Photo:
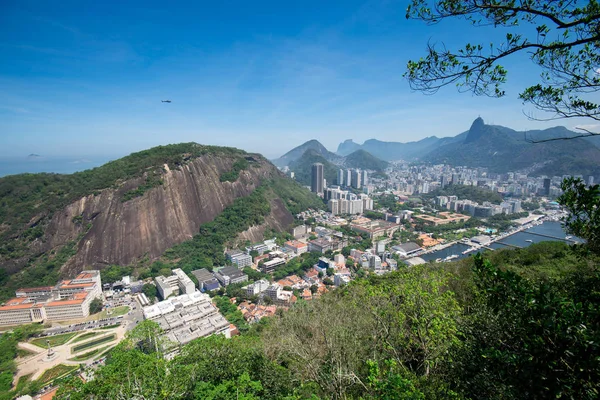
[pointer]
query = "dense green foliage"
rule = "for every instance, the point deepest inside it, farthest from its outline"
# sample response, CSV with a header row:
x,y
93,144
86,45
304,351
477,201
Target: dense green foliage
x,y
464,330
295,197
230,312
114,273
8,354
464,192
238,166
95,306
559,37
583,204
362,159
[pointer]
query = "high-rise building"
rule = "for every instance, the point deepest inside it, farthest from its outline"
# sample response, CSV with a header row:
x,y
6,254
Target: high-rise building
x,y
444,181
356,179
317,178
590,180
546,186
340,180
348,178
364,178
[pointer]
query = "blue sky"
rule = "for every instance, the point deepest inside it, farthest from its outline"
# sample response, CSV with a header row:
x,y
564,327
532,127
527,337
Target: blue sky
x,y
85,79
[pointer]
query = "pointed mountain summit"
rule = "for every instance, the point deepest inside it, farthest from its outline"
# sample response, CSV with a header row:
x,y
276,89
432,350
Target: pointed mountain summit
x,y
297,152
477,130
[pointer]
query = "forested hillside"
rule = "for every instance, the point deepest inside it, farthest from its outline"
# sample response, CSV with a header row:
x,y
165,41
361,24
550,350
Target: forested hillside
x,y
107,217
518,326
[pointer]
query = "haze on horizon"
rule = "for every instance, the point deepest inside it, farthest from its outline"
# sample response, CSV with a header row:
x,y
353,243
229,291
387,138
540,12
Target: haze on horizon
x,y
87,80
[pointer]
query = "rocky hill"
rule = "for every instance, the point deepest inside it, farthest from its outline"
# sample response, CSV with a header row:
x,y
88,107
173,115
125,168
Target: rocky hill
x,y
297,152
502,149
135,208
496,147
362,159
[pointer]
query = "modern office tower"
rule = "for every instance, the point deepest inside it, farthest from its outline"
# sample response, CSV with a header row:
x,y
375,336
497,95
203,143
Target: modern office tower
x,y
317,178
546,186
340,180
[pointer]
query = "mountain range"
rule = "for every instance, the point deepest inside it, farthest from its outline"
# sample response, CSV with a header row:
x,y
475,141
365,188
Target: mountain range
x,y
495,147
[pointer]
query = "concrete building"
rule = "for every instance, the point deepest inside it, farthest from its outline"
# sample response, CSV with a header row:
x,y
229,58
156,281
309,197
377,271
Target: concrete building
x,y
407,249
257,287
239,258
317,178
296,247
229,275
364,178
356,179
206,280
375,229
175,284
269,266
340,177
299,232
69,299
187,317
411,262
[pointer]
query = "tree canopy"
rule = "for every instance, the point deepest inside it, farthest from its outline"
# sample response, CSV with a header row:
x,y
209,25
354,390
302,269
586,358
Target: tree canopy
x,y
564,43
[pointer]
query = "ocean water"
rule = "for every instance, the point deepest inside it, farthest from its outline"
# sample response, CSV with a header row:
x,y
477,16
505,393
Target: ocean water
x,y
59,165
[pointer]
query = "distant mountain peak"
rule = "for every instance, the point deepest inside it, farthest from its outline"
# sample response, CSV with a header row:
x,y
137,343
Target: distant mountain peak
x,y
476,131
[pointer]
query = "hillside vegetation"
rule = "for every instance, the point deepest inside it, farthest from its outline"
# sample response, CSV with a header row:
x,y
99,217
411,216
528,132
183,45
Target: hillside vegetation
x,y
472,329
362,159
27,200
28,256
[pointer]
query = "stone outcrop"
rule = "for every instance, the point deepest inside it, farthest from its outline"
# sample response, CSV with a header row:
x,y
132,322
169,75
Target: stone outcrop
x,y
110,231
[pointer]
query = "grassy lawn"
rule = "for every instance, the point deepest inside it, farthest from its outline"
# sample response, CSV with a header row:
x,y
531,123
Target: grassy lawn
x,y
93,343
56,372
111,312
55,340
87,335
110,326
89,354
99,356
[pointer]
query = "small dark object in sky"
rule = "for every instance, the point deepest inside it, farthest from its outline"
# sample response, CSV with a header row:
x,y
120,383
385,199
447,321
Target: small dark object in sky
x,y
165,101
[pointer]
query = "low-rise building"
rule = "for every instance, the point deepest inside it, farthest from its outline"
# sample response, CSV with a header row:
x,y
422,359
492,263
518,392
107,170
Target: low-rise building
x,y
296,246
269,266
69,299
375,229
257,287
175,284
407,249
206,280
239,258
187,317
230,275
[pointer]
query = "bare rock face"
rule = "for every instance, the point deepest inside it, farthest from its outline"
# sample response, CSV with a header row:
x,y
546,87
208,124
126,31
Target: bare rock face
x,y
122,232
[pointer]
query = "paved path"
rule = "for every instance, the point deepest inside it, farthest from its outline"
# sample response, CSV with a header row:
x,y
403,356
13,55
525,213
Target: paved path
x,y
36,365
